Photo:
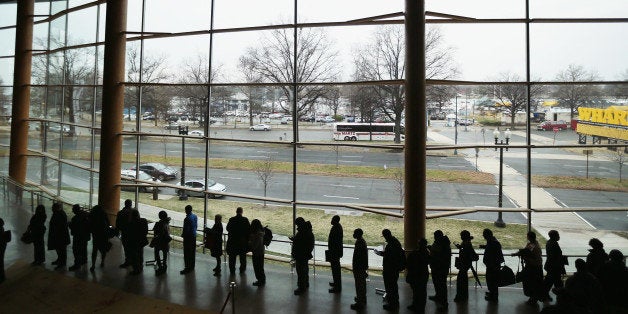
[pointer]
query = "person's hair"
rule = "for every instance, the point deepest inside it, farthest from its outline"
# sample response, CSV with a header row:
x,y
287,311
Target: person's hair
x,y
57,206
531,236
1,222
163,215
188,208
76,208
239,210
299,221
616,255
553,234
256,225
128,203
358,232
40,210
487,233
335,219
581,265
135,214
422,243
218,217
596,243
386,233
438,234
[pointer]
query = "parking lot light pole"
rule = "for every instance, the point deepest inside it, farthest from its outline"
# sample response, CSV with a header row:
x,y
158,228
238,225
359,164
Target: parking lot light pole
x,y
456,128
183,130
500,142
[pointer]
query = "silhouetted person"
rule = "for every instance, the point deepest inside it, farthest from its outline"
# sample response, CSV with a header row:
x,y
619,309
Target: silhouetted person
x,y
394,260
440,262
614,280
582,292
466,257
190,224
79,228
597,257
334,253
37,229
532,269
59,235
3,246
216,248
238,236
493,258
554,263
302,246
122,225
161,242
137,233
360,265
417,276
256,243
99,226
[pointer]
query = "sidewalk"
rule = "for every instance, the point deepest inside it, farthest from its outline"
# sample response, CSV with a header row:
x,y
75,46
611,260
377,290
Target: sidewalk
x,y
575,231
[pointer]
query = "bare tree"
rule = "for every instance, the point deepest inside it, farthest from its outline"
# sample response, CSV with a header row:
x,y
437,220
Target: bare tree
x,y
332,98
398,178
621,91
512,98
265,171
153,70
384,59
618,156
575,96
254,95
272,61
196,71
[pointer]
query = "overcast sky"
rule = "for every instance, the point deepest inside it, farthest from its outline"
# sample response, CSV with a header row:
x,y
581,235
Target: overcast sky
x,y
482,51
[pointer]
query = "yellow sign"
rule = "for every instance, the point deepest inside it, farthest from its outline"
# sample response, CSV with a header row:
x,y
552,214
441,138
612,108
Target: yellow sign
x,y
617,115
617,133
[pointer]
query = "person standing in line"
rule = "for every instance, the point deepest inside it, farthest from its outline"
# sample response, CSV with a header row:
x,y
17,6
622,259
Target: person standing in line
x,y
122,225
532,269
238,236
99,226
37,230
79,228
394,262
466,257
161,242
554,264
137,233
360,265
597,257
256,243
59,235
190,223
417,276
3,246
440,262
493,259
614,281
302,246
216,248
334,253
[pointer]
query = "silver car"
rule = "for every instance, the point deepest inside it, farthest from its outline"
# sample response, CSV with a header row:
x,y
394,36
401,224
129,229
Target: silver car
x,y
198,186
128,176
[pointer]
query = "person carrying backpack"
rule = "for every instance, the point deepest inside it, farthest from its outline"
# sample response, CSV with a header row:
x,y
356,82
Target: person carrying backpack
x,y
464,261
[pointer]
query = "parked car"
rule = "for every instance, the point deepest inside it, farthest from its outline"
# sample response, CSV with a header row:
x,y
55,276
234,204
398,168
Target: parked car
x,y
56,128
128,176
551,125
198,186
260,127
172,126
159,171
465,121
286,120
198,133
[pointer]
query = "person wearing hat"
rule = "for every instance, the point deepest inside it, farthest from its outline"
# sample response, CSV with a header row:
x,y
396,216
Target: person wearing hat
x,y
466,256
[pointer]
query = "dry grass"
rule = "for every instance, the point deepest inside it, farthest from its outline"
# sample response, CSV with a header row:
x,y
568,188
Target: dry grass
x,y
580,183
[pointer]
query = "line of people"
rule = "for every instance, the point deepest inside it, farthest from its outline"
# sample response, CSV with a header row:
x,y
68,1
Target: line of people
x,y
601,272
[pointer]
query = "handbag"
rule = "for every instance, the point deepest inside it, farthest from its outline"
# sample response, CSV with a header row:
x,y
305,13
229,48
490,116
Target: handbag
x,y
27,237
506,276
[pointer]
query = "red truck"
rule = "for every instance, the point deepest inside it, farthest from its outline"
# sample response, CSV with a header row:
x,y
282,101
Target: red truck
x,y
551,125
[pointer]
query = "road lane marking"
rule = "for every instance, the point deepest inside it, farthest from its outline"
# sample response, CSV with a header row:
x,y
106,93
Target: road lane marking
x,y
349,161
478,193
345,156
348,197
265,157
232,178
266,152
452,166
343,186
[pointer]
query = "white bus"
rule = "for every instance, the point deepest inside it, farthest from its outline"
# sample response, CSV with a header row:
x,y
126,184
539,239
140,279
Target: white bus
x,y
365,132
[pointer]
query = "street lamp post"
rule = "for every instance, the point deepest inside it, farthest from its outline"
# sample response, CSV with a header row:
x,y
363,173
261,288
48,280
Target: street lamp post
x,y
456,128
500,142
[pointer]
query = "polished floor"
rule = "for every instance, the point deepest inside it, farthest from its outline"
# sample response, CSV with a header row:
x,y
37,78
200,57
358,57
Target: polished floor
x,y
201,290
